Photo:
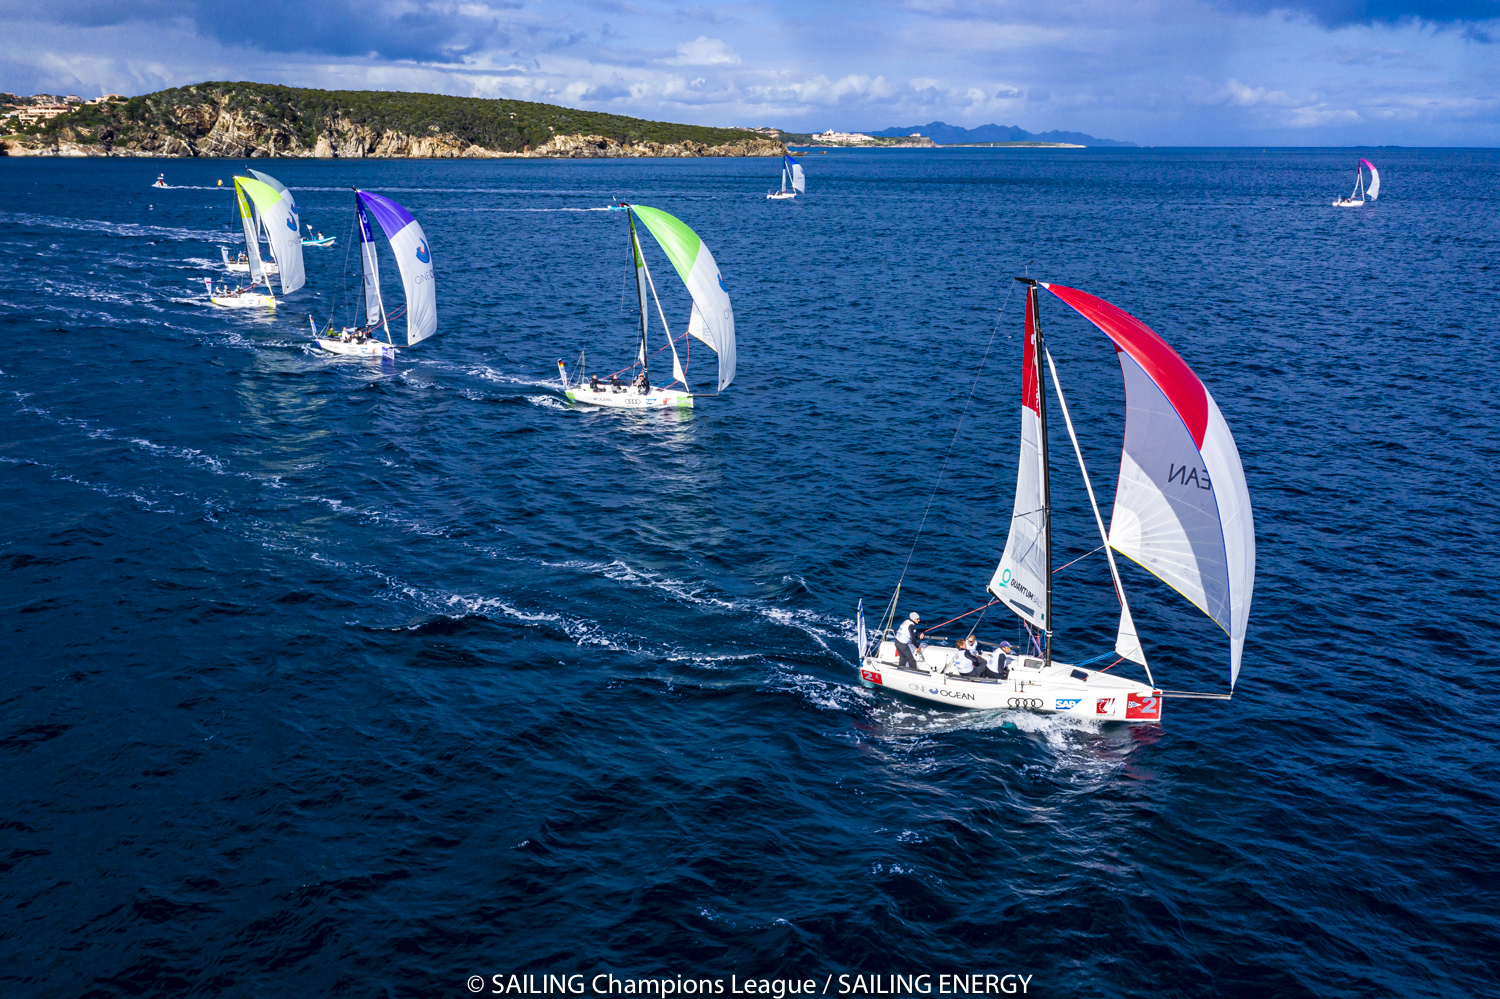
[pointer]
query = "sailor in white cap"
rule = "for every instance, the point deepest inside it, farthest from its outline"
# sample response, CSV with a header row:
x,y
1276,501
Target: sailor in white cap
x,y
906,641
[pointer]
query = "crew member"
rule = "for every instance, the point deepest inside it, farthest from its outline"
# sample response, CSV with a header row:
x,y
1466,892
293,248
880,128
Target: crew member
x,y
906,641
594,383
971,660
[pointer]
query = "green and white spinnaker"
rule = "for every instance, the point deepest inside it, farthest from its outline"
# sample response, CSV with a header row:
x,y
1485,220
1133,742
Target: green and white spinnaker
x,y
278,214
712,319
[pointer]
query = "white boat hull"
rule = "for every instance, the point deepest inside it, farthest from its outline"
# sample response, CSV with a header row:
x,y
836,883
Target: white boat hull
x,y
248,300
370,348
1349,203
630,398
781,195
1060,689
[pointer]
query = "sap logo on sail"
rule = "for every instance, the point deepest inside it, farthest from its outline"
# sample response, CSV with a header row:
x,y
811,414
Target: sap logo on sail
x,y
1067,703
1189,476
422,253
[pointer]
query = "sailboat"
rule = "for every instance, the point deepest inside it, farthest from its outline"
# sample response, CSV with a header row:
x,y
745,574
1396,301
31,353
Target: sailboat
x,y
1362,192
711,321
413,259
277,212
793,181
1181,511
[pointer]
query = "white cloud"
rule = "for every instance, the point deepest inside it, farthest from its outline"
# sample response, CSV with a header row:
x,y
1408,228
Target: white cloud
x,y
703,51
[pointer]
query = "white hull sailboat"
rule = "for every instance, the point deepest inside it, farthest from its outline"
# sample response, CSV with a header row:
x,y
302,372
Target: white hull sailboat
x,y
241,265
793,181
1181,511
711,321
1362,192
414,261
276,213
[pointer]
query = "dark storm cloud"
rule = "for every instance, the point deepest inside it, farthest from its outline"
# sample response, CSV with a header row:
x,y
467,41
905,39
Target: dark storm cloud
x,y
423,30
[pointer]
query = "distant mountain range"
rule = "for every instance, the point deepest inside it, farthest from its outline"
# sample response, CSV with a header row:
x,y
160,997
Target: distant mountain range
x,y
945,134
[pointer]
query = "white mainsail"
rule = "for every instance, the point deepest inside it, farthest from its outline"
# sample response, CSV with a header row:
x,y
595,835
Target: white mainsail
x,y
252,238
1022,579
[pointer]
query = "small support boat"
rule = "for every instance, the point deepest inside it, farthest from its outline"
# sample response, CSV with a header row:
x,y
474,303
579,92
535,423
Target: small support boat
x,y
1362,192
711,321
413,259
161,180
1181,511
793,181
320,240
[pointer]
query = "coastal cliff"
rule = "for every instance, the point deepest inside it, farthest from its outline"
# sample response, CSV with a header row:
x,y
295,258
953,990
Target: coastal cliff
x,y
249,120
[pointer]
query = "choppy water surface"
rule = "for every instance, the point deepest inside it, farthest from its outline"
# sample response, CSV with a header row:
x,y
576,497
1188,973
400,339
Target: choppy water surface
x,y
332,678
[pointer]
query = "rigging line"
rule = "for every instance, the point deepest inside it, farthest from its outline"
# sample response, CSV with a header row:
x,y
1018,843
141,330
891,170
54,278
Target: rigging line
x,y
962,616
949,453
1078,559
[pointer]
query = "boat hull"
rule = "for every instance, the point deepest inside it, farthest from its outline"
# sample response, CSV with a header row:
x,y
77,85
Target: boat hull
x,y
629,398
1349,203
1055,690
369,348
246,301
781,195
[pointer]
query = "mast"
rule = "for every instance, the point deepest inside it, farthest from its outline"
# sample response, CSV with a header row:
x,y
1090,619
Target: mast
x,y
639,265
1034,310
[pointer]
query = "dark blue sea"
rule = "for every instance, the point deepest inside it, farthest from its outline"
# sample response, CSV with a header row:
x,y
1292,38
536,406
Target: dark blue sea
x,y
329,677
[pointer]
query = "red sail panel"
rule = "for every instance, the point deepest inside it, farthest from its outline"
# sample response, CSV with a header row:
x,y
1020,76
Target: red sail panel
x,y
1161,363
1031,396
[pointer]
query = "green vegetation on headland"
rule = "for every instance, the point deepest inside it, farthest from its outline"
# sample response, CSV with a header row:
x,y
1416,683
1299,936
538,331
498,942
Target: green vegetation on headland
x,y
256,119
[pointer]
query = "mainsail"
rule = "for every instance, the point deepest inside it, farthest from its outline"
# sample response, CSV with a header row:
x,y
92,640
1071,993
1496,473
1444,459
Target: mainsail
x,y
1373,191
1182,507
252,240
283,230
369,262
1022,581
413,257
712,318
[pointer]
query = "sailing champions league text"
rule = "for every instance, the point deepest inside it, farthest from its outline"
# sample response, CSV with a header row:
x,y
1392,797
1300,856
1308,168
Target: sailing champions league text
x,y
777,988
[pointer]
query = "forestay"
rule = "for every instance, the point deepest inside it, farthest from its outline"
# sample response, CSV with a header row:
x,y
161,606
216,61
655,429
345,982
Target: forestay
x,y
413,257
1020,580
1182,507
283,229
712,319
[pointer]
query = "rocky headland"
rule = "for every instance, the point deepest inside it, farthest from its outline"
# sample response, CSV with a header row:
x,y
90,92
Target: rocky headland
x,y
254,121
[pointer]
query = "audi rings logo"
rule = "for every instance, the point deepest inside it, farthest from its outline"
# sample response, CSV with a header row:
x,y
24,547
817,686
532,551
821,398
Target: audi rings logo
x,y
1024,702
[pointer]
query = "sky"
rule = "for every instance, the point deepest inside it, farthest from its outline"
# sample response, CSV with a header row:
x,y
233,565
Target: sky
x,y
1155,72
